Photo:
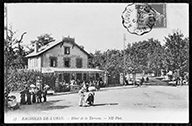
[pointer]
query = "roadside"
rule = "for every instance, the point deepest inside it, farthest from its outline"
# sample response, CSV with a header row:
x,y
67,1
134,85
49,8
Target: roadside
x,y
152,82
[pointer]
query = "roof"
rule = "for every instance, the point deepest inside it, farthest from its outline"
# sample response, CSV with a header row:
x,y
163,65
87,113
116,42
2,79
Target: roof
x,y
53,69
50,46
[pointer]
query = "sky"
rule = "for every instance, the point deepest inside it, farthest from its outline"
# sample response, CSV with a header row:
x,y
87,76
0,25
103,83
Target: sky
x,y
96,26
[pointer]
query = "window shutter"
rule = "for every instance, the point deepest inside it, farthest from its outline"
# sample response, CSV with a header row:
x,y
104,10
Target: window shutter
x,y
49,61
79,62
63,62
56,61
76,62
69,62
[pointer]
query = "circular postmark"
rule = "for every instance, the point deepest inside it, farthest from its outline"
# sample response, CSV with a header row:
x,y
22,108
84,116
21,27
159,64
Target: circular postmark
x,y
139,18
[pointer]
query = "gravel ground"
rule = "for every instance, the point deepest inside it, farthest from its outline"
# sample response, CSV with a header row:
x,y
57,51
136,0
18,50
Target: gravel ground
x,y
161,104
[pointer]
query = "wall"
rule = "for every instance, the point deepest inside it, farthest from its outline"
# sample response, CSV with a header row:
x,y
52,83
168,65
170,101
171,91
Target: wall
x,y
34,63
58,52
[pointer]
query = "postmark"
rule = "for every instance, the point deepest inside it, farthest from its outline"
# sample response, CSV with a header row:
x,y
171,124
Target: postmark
x,y
139,18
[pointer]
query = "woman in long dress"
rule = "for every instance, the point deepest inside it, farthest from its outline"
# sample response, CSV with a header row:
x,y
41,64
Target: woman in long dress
x,y
22,95
33,96
82,96
28,93
90,99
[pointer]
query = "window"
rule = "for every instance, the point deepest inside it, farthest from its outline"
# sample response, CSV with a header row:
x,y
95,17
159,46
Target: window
x,y
53,61
66,62
79,63
79,76
66,77
60,77
67,50
85,77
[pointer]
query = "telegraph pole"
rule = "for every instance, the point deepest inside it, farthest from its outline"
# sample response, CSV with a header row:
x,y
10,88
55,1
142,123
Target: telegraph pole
x,y
124,40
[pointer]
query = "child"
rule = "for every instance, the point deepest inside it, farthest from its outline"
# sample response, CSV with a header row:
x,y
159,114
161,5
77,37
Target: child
x,y
82,97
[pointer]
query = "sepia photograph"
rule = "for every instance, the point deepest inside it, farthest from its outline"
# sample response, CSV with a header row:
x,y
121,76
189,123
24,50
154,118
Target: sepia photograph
x,y
96,63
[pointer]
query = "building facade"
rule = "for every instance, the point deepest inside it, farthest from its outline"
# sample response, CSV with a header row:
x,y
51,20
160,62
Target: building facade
x,y
65,58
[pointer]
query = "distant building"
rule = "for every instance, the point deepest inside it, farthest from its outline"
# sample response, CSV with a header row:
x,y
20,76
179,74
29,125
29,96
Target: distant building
x,y
65,58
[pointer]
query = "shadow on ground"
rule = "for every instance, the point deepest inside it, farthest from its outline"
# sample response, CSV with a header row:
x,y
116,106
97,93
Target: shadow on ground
x,y
120,87
105,104
49,105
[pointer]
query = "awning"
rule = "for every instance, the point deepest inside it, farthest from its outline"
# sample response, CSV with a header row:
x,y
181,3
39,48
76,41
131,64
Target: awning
x,y
70,70
47,70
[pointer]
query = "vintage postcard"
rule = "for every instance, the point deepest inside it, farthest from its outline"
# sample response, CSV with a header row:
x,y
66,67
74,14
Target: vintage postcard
x,y
96,63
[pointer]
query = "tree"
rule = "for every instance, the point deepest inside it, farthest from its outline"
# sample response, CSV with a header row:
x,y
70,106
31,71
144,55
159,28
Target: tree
x,y
145,56
177,51
20,60
43,40
155,56
14,57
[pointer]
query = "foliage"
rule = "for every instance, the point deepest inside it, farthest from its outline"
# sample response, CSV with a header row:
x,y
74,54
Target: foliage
x,y
43,40
13,50
14,56
18,79
177,50
145,56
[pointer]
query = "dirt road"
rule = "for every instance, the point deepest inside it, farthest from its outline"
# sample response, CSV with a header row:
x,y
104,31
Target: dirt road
x,y
164,104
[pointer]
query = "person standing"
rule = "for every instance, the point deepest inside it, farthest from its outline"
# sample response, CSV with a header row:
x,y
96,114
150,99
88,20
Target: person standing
x,y
142,80
147,79
86,86
22,95
39,95
98,85
181,80
82,96
45,93
177,77
28,93
34,95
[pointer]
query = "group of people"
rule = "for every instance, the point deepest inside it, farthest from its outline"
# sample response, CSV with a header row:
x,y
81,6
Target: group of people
x,y
133,81
32,95
179,77
86,96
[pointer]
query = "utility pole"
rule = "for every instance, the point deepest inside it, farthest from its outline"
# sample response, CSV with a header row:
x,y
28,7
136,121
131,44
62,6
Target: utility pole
x,y
124,40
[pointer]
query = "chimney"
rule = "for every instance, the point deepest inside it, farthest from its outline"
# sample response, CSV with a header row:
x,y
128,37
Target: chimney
x,y
36,47
82,46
